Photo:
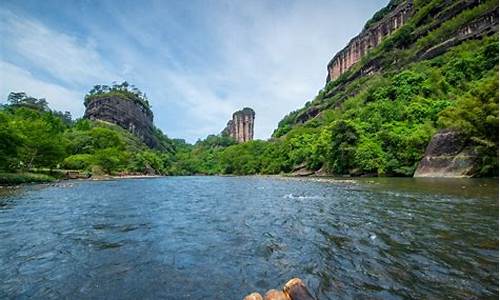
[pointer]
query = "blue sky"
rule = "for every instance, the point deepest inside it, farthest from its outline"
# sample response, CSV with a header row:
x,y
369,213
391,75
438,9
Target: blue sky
x,y
198,61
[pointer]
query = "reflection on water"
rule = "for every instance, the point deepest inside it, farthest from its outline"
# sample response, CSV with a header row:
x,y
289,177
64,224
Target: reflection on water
x,y
223,237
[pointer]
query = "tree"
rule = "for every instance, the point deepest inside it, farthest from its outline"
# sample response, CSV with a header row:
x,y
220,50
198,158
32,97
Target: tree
x,y
21,99
9,143
343,148
41,134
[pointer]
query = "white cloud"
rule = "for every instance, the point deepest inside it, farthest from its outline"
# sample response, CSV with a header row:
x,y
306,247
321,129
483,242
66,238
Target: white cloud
x,y
197,61
15,79
275,58
47,63
67,59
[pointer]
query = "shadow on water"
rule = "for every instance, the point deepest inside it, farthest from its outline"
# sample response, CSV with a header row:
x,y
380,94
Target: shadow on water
x,y
223,237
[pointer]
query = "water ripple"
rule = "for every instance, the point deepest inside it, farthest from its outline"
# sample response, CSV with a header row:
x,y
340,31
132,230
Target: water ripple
x,y
168,237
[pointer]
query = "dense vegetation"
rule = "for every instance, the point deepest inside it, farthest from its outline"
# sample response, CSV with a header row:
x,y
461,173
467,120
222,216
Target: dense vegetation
x,y
123,91
378,124
382,13
33,137
381,124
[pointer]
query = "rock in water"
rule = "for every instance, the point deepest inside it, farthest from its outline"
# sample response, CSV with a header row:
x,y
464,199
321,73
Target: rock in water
x,y
447,155
297,290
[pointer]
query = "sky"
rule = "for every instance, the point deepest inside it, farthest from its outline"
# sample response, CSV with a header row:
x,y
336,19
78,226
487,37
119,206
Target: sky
x,y
198,61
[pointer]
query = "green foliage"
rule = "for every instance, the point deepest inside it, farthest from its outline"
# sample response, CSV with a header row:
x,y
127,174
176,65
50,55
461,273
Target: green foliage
x,y
379,15
10,140
30,134
476,115
20,99
110,159
451,26
286,124
25,177
33,136
216,141
165,144
150,160
370,155
123,91
78,162
344,137
41,136
385,121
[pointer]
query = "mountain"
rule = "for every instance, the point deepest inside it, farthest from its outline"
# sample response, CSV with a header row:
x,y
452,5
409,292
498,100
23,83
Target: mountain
x,y
414,94
417,68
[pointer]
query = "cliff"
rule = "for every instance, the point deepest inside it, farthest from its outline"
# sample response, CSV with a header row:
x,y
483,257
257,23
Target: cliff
x,y
417,67
130,115
240,127
405,34
369,38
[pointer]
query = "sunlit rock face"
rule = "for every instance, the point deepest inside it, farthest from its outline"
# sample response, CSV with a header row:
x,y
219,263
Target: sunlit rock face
x,y
241,126
368,39
447,155
130,115
371,37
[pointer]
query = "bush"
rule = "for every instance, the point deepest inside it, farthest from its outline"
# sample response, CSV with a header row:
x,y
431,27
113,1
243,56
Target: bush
x,y
19,178
78,161
110,159
370,157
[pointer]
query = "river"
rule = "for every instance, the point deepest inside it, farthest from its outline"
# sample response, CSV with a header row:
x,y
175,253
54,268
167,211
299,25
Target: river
x,y
224,237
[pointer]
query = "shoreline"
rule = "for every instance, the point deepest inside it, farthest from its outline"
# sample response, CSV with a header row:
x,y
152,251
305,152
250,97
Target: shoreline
x,y
113,177
320,178
18,179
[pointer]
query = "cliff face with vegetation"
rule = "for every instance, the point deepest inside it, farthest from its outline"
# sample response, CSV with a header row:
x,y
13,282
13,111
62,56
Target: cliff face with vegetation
x,y
369,38
416,92
34,138
435,69
130,115
433,28
126,106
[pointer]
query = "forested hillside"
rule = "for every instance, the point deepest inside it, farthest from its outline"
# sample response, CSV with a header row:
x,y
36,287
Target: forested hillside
x,y
35,138
379,122
438,70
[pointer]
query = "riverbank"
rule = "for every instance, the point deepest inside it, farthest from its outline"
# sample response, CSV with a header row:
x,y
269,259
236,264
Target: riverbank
x,y
24,177
7,179
114,177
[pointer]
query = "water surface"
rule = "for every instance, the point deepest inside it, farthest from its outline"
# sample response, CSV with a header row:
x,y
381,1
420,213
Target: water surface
x,y
223,237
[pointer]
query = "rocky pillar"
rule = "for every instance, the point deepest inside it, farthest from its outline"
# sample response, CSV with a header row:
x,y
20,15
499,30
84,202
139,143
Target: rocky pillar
x,y
241,126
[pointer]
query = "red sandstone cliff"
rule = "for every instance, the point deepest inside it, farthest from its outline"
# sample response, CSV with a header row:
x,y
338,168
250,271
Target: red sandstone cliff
x,y
240,127
368,38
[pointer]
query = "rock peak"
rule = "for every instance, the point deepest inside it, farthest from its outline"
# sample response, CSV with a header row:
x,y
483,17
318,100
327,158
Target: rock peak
x,y
130,115
241,126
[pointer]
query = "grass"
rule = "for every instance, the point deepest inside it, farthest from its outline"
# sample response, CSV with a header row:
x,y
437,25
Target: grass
x,y
25,177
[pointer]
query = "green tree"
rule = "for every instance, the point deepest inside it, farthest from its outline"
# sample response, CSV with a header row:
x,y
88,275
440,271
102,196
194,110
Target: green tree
x,y
343,148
